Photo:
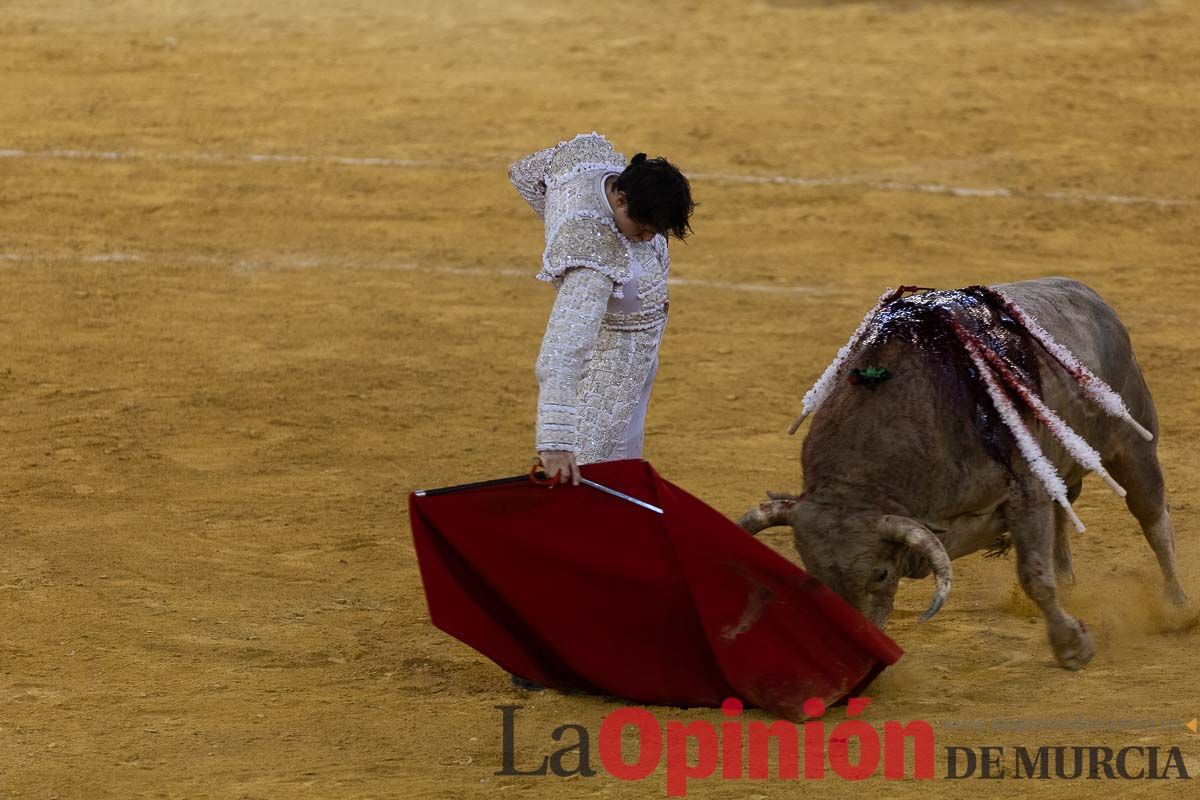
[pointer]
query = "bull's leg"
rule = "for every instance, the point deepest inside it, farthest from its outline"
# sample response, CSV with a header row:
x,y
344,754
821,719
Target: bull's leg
x,y
775,511
1064,572
1031,524
1146,498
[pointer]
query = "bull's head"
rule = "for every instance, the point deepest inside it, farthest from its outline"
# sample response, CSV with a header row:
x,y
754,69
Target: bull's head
x,y
860,556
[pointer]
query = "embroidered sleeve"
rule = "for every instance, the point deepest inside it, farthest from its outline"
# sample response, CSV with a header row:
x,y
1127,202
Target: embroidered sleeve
x,y
664,253
528,176
587,152
570,336
587,239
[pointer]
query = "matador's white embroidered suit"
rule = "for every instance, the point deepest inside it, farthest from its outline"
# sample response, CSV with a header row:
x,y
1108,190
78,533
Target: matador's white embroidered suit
x,y
600,352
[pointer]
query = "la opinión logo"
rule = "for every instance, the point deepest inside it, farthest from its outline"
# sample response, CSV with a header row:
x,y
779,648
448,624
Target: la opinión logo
x,y
735,748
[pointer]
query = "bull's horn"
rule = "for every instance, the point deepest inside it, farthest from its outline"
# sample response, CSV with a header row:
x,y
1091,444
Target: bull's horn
x,y
915,535
775,511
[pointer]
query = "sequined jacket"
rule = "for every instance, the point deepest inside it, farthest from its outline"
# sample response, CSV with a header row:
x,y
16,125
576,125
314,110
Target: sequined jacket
x,y
600,352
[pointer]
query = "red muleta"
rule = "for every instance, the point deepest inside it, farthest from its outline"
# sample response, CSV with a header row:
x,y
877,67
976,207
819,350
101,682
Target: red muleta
x,y
580,590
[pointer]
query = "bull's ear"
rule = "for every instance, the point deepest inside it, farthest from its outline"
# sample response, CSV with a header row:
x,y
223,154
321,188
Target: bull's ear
x,y
805,518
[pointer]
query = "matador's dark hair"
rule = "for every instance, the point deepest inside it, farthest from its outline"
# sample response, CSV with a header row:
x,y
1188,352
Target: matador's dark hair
x,y
659,195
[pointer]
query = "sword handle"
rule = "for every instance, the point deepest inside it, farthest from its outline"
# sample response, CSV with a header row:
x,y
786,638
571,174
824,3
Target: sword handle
x,y
537,475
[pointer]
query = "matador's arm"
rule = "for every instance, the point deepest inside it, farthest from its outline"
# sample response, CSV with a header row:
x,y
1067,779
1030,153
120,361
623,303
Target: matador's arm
x,y
570,336
528,176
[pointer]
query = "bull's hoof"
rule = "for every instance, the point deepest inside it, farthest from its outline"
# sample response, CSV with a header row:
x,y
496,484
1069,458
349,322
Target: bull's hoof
x,y
1177,596
1072,645
1179,614
525,684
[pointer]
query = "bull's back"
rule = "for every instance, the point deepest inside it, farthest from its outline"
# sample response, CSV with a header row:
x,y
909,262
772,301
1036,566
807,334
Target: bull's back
x,y
1079,319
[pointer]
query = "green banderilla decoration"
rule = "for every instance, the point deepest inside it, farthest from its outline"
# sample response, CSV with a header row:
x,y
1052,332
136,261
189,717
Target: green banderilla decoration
x,y
870,377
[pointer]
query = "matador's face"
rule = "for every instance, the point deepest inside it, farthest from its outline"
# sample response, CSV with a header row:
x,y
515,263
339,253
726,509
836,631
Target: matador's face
x,y
629,227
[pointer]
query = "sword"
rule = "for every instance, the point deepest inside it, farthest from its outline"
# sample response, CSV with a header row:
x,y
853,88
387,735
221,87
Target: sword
x,y
621,495
538,475
543,481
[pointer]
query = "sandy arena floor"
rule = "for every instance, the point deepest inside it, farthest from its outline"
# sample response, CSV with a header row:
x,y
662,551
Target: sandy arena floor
x,y
263,275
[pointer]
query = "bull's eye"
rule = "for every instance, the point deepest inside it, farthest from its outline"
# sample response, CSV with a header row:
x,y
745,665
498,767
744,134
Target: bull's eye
x,y
881,574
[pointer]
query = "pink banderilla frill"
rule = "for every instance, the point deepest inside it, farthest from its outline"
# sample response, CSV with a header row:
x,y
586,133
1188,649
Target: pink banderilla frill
x,y
815,396
1100,392
1075,444
996,374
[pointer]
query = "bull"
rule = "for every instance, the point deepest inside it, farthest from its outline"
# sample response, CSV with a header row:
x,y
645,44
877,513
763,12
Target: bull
x,y
938,434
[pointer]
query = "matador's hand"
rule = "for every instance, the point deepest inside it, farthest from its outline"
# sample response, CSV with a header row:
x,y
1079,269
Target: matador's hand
x,y
560,464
